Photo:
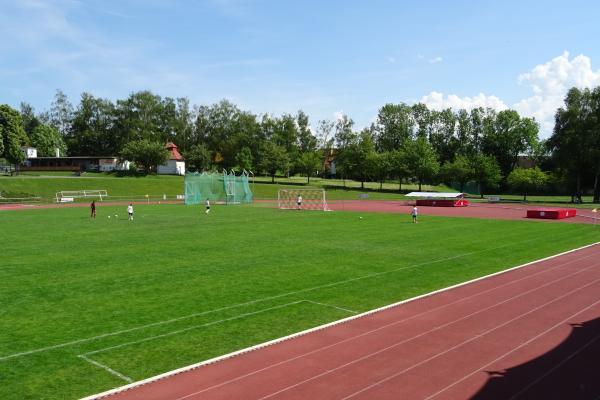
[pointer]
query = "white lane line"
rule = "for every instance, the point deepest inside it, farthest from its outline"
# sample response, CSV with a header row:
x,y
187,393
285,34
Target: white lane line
x,y
447,305
518,348
557,366
106,368
324,326
332,306
328,285
422,334
478,336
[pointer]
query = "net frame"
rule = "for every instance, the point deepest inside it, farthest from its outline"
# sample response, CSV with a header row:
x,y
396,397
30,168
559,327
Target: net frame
x,y
312,199
219,188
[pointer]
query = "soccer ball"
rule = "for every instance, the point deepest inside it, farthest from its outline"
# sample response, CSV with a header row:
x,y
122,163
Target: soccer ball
x,y
116,216
109,216
359,217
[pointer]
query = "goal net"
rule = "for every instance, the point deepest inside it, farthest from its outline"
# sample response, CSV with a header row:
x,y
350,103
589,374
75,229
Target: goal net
x,y
227,188
302,199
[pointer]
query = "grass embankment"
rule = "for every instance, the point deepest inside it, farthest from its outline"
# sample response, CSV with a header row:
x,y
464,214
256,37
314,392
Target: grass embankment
x,y
175,287
136,188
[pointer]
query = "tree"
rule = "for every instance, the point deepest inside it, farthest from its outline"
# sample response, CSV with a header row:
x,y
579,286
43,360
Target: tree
x,y
399,165
421,160
95,128
382,166
306,140
198,158
526,180
12,135
30,120
486,172
244,159
146,154
509,136
61,113
46,140
309,163
393,127
273,159
460,170
442,134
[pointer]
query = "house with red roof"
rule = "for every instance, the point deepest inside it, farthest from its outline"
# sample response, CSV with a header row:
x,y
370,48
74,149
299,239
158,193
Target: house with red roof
x,y
175,165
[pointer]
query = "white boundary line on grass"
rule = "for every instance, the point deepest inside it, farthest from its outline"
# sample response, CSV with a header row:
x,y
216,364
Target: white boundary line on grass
x,y
305,290
318,328
86,356
106,368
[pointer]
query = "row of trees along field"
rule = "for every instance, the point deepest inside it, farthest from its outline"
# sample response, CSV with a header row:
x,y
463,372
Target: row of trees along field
x,y
405,143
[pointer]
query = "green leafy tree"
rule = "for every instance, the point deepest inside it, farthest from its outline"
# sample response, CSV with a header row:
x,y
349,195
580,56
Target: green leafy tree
x,y
526,180
60,115
12,136
244,159
399,165
382,166
460,171
421,160
442,134
30,120
394,126
508,137
198,158
486,172
148,155
94,128
273,159
309,163
306,140
46,139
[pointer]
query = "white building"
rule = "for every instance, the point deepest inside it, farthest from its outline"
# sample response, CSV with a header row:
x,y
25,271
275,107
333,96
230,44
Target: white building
x,y
175,165
30,152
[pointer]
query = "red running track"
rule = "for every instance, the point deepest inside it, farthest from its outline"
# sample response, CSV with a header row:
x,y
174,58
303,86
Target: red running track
x,y
529,333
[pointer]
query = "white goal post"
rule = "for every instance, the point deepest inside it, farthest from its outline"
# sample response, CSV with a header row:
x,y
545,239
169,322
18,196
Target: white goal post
x,y
302,199
67,196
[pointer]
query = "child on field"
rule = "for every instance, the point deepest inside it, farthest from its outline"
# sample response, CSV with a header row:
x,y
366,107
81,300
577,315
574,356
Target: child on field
x,y
93,209
130,211
299,202
207,207
414,214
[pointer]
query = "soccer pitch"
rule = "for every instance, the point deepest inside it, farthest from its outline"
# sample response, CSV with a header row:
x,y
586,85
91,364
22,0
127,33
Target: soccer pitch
x,y
87,305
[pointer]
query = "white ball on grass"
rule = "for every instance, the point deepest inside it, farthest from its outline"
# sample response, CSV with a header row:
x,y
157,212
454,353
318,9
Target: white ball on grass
x,y
109,216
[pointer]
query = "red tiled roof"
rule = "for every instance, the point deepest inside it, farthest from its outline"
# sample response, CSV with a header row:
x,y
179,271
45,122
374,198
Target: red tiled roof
x,y
175,155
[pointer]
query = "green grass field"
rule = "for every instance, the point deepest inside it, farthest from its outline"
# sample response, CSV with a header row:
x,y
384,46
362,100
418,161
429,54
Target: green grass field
x,y
175,287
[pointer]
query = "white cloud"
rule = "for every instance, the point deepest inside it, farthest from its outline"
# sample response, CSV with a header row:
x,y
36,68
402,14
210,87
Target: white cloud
x,y
439,101
550,83
435,60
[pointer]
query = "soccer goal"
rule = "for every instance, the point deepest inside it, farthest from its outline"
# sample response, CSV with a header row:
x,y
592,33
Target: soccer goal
x,y
302,199
68,196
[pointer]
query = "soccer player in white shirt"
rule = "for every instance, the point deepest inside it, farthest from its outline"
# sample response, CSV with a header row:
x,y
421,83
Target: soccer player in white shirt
x,y
130,211
207,207
299,202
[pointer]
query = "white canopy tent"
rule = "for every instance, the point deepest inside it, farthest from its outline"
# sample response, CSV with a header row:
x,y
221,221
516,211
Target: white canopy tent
x,y
435,195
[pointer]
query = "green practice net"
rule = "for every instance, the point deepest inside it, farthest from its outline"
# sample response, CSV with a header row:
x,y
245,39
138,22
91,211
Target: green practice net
x,y
225,188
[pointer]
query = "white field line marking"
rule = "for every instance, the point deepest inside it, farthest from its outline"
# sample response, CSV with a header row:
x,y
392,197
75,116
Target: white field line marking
x,y
127,379
332,306
478,336
422,334
193,327
519,347
214,323
328,285
321,327
463,299
106,368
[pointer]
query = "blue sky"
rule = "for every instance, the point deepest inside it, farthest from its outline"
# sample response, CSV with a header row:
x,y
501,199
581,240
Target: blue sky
x,y
325,57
